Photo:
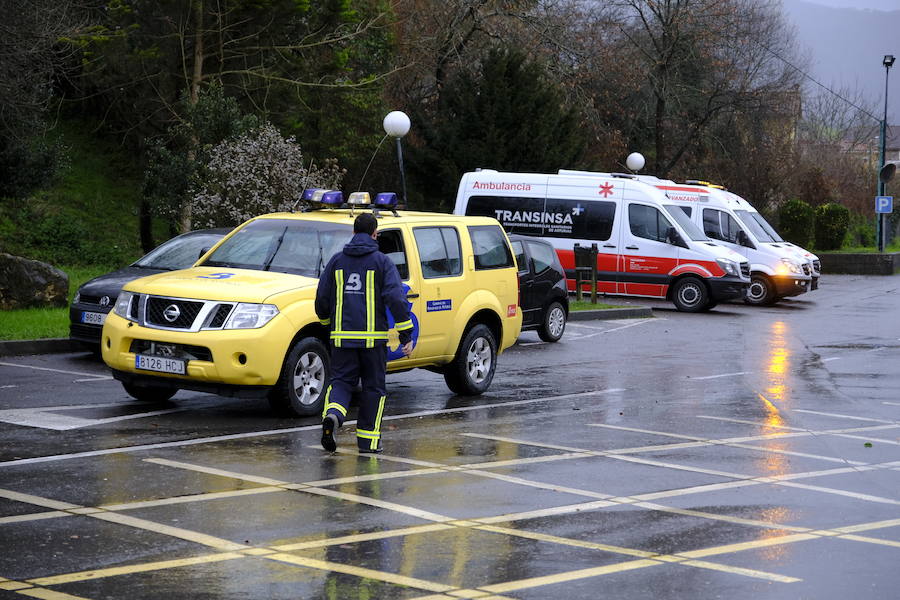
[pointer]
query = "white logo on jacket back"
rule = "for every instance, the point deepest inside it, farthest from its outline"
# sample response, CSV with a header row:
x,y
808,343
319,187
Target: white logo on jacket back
x,y
354,283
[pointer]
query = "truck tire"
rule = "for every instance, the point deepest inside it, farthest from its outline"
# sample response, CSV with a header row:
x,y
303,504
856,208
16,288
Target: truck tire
x,y
761,291
690,295
472,370
300,390
149,393
554,325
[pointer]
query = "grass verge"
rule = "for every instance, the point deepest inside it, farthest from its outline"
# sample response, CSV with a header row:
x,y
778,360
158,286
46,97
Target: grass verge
x,y
43,323
575,305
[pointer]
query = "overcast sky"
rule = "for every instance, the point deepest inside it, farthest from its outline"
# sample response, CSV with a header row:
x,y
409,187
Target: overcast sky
x,y
846,41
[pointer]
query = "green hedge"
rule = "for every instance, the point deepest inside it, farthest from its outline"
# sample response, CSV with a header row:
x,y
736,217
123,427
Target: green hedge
x,y
832,223
796,222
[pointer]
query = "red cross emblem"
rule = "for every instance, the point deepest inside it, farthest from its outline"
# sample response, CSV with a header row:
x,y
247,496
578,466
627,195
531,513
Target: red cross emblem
x,y
606,190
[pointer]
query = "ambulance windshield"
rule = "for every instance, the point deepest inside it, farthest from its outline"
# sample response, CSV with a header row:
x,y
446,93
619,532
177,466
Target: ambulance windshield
x,y
281,245
687,225
759,226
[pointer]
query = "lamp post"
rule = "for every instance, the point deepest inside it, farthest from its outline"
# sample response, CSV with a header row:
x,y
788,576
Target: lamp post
x,y
888,62
396,125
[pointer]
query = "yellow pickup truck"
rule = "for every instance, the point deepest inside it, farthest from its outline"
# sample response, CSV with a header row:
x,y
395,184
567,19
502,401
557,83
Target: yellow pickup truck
x,y
241,321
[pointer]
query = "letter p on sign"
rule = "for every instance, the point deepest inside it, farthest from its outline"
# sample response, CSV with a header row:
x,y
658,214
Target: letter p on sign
x,y
884,204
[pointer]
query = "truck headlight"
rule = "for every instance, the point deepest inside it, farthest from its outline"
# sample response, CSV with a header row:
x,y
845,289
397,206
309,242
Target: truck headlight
x,y
123,304
790,266
729,266
251,316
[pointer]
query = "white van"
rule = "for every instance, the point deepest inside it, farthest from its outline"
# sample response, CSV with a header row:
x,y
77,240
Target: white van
x,y
644,249
776,270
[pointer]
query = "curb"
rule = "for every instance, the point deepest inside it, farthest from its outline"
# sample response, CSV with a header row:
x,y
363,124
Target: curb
x,y
641,312
48,346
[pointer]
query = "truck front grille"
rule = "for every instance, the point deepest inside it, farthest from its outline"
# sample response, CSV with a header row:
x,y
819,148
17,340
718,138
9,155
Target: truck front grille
x,y
172,313
745,269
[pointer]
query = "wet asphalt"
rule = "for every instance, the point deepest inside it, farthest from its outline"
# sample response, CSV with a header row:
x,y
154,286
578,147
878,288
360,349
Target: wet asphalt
x,y
742,453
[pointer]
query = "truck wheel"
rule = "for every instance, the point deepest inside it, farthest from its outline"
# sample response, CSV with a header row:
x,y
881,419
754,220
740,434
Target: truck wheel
x,y
149,393
690,295
300,391
761,291
551,330
472,370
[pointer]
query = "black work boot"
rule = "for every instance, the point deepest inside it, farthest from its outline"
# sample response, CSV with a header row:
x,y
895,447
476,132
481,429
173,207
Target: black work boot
x,y
329,425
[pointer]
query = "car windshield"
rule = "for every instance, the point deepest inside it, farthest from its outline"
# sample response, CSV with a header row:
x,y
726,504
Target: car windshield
x,y
759,226
178,253
693,232
281,245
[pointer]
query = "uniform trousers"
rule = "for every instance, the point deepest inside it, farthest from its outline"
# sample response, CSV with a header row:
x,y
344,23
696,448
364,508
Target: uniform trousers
x,y
349,366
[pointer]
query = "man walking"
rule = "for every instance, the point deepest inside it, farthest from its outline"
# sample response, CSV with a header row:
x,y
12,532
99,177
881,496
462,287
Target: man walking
x,y
355,287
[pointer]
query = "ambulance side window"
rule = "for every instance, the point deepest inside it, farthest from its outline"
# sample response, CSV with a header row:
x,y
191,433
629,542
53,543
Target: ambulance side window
x,y
647,222
489,246
719,225
390,242
439,251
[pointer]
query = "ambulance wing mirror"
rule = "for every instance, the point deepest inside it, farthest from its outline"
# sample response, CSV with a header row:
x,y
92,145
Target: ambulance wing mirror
x,y
203,251
674,238
744,240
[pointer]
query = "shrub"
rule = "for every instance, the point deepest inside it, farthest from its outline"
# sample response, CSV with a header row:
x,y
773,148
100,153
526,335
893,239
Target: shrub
x,y
796,222
861,233
832,223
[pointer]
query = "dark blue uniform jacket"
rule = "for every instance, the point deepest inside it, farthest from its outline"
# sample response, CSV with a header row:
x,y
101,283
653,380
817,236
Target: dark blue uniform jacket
x,y
355,287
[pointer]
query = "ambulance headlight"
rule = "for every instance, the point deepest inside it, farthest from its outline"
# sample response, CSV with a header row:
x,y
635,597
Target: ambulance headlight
x,y
123,304
729,266
251,316
789,266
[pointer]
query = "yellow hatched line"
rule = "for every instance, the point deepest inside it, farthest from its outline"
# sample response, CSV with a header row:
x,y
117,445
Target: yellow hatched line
x,y
362,537
34,517
191,498
44,594
36,500
533,582
214,471
361,572
131,569
176,532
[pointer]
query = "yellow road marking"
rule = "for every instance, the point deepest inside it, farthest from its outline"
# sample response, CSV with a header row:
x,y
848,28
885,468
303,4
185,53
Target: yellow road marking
x,y
53,514
36,500
740,547
191,498
48,594
406,510
374,477
361,572
213,471
131,569
868,526
533,582
362,537
741,571
12,586
177,532
870,540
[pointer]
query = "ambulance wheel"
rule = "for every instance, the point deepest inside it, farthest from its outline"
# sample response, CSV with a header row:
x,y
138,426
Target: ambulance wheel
x,y
690,295
300,391
551,330
472,370
149,393
761,291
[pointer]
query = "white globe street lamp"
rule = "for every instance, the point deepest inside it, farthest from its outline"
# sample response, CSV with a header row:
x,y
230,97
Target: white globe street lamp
x,y
396,124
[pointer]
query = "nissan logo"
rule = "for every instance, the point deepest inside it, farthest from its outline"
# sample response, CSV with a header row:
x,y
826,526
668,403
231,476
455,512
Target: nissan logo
x,y
171,313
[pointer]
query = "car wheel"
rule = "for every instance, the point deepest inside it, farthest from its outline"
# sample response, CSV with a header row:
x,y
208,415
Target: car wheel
x,y
472,370
554,325
690,295
300,391
761,291
149,393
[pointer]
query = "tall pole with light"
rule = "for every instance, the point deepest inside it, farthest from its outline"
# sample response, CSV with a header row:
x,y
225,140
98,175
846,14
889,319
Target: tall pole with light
x,y
396,125
888,62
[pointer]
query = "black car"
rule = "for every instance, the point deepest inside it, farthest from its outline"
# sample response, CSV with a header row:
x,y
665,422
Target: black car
x,y
543,296
94,299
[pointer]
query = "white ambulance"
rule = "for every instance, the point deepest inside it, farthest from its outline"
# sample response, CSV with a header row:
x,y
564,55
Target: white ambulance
x,y
777,270
647,246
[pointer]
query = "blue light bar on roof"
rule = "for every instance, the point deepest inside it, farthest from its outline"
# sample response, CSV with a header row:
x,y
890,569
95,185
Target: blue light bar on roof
x,y
332,197
386,199
309,193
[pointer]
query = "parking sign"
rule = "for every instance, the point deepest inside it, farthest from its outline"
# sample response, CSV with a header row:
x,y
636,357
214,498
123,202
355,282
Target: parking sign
x,y
884,204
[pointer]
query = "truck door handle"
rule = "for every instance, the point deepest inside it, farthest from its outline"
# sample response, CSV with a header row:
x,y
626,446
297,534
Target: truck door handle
x,y
609,245
412,296
632,248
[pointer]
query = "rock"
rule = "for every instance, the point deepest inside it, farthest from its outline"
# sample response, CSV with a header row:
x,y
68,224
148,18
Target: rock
x,y
26,283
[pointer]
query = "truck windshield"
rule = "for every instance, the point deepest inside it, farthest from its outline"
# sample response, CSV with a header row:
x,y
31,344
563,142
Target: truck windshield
x,y
692,231
281,245
759,226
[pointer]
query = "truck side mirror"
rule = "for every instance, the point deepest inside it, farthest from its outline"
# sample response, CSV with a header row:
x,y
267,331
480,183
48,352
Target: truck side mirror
x,y
744,240
203,251
674,238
